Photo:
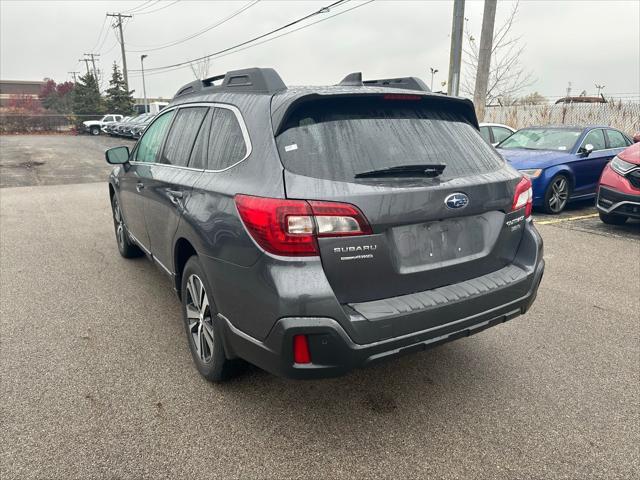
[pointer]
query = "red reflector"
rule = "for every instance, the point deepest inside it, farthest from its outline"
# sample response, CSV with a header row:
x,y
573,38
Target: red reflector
x,y
301,349
400,96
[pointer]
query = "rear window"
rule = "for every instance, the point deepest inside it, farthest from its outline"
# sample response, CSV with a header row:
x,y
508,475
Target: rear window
x,y
335,139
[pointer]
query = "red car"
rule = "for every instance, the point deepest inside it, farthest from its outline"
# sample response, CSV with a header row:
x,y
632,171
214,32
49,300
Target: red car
x,y
619,188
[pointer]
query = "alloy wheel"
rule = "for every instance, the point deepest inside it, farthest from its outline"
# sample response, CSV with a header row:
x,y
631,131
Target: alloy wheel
x,y
199,318
559,194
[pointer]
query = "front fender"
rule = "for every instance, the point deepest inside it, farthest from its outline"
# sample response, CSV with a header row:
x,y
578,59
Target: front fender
x,y
541,183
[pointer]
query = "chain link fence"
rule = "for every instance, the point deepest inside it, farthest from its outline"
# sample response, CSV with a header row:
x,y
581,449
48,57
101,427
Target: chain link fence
x,y
624,116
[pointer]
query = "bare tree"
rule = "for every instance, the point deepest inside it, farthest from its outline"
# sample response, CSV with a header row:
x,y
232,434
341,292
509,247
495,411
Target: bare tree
x,y
507,76
200,69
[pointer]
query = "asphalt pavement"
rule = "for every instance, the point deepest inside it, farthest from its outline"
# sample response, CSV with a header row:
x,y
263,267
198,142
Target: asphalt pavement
x,y
97,380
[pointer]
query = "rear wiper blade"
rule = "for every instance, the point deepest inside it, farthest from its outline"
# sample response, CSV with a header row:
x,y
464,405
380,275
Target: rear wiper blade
x,y
422,170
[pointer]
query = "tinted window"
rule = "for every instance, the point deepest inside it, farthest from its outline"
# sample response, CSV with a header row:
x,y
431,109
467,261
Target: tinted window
x,y
543,139
616,139
199,152
499,133
226,143
150,143
485,134
108,119
595,138
337,138
182,136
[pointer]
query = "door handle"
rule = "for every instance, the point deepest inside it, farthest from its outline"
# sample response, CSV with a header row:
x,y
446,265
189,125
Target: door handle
x,y
175,196
139,186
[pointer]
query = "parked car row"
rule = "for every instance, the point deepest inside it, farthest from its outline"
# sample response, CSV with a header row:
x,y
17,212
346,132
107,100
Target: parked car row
x,y
568,163
131,127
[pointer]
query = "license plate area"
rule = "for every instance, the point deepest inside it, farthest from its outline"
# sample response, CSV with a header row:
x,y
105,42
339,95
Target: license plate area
x,y
444,242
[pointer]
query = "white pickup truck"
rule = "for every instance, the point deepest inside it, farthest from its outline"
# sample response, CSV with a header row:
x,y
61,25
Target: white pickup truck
x,y
95,126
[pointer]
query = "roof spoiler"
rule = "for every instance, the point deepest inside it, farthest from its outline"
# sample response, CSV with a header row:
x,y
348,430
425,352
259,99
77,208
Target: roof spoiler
x,y
254,80
406,83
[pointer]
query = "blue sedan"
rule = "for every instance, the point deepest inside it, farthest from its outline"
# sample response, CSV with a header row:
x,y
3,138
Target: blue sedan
x,y
563,163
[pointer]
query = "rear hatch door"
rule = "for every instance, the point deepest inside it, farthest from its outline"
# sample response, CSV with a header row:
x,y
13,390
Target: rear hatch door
x,y
427,230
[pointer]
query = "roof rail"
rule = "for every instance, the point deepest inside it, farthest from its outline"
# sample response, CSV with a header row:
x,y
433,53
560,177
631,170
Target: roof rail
x,y
407,83
248,80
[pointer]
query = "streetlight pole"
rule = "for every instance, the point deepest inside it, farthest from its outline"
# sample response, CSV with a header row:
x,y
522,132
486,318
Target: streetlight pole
x,y
433,72
144,87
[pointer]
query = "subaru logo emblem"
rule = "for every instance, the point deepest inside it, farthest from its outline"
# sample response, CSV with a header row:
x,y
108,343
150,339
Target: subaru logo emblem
x,y
456,200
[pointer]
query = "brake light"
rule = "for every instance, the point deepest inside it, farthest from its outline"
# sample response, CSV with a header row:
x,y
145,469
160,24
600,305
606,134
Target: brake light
x,y
301,349
523,196
291,227
400,96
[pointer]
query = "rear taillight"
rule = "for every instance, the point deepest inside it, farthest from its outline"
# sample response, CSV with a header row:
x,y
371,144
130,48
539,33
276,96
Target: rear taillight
x,y
523,196
291,227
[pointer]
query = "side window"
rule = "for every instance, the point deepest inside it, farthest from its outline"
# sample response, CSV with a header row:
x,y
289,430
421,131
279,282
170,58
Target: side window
x,y
595,138
226,142
199,153
108,119
616,139
150,143
485,134
499,133
181,137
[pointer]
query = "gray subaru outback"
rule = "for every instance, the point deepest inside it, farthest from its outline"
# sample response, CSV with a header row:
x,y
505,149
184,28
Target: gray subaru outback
x,y
312,230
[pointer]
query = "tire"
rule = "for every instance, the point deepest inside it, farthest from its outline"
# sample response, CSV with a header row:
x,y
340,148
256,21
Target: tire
x,y
612,219
125,246
557,194
202,325
95,130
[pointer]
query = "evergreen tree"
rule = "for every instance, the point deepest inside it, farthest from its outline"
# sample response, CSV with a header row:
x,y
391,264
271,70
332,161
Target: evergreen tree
x,y
86,97
119,100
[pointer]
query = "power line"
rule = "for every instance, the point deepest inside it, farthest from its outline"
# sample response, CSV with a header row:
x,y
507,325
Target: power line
x,y
301,19
198,33
102,30
142,6
269,39
146,12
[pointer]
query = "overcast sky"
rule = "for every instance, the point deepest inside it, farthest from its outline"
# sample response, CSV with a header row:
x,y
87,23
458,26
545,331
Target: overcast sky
x,y
584,42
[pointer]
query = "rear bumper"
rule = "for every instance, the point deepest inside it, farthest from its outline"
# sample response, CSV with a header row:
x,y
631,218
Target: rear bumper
x,y
333,351
613,202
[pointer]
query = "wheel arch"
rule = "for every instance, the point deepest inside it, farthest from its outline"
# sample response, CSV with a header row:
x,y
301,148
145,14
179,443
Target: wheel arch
x,y
183,250
561,170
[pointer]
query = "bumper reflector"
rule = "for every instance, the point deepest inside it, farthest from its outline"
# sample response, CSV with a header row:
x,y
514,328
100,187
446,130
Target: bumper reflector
x,y
301,349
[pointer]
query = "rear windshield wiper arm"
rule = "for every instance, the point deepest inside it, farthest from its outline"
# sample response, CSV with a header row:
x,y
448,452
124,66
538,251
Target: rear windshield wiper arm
x,y
422,170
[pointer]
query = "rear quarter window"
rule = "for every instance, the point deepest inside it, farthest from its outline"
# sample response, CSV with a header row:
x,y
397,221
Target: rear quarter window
x,y
227,145
337,138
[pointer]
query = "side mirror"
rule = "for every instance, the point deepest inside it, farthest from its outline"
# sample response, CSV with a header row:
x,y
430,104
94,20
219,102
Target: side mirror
x,y
587,149
117,155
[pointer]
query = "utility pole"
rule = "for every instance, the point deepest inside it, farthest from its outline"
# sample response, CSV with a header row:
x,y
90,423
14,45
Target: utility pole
x,y
86,63
569,89
484,58
144,87
124,55
433,72
74,76
93,62
455,58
